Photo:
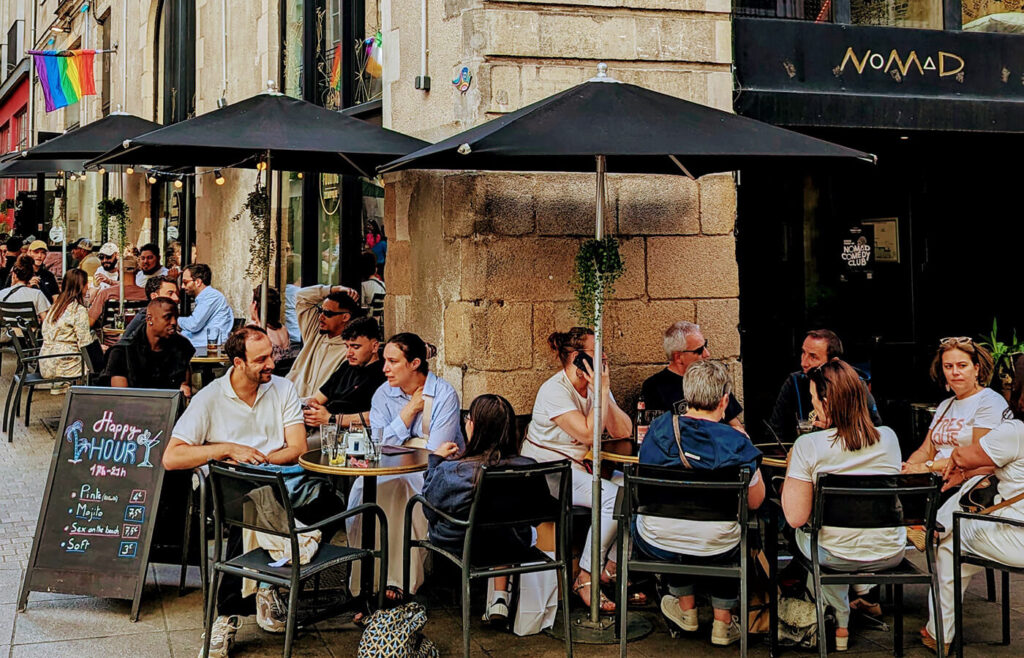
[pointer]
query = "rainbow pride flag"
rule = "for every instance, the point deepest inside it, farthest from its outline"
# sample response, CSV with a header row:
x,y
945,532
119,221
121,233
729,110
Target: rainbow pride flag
x,y
336,69
65,76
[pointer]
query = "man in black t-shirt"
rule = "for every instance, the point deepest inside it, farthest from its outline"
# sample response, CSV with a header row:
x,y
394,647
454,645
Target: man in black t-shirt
x,y
349,390
684,345
157,357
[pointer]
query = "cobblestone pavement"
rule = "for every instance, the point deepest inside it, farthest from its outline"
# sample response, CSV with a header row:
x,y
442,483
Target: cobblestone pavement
x,y
169,625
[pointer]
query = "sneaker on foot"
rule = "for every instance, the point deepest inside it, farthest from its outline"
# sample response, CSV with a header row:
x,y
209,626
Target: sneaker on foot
x,y
723,634
497,610
684,619
222,636
271,612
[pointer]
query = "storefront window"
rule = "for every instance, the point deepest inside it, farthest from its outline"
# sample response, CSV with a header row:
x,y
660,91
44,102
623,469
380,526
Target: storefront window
x,y
993,16
923,14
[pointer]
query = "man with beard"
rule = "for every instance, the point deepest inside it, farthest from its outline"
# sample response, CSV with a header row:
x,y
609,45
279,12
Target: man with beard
x,y
212,314
323,313
43,279
149,265
157,357
107,273
349,391
248,416
158,286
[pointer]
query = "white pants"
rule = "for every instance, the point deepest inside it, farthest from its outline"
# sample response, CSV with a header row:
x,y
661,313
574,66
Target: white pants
x,y
1003,544
582,496
393,493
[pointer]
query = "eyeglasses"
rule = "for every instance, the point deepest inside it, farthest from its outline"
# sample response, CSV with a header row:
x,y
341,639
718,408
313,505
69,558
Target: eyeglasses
x,y
331,314
698,351
956,340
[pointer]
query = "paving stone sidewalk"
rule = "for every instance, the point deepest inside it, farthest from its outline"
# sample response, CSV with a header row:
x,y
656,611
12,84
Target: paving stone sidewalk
x,y
56,625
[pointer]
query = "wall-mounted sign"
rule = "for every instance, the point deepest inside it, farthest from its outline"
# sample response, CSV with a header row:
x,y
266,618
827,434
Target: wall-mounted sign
x,y
858,253
887,239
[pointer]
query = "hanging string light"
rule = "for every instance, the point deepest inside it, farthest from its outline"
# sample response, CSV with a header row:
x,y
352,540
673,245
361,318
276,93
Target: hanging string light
x,y
151,178
218,177
129,170
178,183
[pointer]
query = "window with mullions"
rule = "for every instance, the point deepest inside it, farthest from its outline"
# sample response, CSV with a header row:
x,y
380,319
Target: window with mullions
x,y
993,16
923,14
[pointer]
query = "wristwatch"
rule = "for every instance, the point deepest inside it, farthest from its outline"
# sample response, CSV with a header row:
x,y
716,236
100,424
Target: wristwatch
x,y
929,464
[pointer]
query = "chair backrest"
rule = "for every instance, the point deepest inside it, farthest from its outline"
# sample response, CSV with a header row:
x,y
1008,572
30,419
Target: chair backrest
x,y
510,496
111,306
232,484
19,316
522,423
24,346
876,501
682,493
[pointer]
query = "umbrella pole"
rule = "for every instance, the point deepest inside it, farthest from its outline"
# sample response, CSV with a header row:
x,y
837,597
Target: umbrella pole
x,y
266,247
64,235
596,558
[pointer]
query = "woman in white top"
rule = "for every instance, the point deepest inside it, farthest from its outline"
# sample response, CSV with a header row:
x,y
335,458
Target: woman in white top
x,y
850,445
970,414
562,427
66,329
1001,451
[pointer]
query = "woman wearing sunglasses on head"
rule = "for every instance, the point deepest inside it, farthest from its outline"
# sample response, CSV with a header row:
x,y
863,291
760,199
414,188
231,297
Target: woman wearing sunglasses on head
x,y
971,413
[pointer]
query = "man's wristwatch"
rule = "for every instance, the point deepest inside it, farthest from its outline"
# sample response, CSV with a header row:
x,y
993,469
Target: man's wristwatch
x,y
929,464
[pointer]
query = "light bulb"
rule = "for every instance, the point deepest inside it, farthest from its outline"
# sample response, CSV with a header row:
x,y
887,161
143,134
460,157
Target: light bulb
x,y
300,175
178,183
218,177
72,177
102,170
261,165
152,179
129,170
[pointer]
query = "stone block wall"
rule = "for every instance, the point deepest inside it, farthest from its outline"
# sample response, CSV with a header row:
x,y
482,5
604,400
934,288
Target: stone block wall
x,y
480,264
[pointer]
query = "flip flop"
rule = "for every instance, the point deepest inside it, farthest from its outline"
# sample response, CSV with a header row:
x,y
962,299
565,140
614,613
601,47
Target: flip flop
x,y
606,604
394,595
634,598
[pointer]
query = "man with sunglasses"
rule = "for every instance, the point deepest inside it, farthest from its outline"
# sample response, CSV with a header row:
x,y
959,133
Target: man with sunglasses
x,y
684,345
793,404
106,275
323,313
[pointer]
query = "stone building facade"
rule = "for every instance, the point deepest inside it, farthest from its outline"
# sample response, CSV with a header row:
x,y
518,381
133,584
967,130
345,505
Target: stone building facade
x,y
480,263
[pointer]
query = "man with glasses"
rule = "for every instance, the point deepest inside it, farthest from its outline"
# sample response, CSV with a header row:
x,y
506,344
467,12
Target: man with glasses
x,y
323,313
793,404
212,318
684,345
106,274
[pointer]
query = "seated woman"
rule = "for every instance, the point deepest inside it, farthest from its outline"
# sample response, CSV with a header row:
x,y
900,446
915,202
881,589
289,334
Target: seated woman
x,y
418,409
66,330
1001,451
276,331
971,413
562,427
850,445
715,446
452,478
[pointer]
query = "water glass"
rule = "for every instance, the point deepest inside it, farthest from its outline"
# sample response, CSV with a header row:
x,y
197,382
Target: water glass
x,y
212,340
329,441
374,440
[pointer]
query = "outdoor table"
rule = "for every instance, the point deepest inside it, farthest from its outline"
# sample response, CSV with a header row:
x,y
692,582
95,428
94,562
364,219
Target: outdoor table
x,y
413,461
202,357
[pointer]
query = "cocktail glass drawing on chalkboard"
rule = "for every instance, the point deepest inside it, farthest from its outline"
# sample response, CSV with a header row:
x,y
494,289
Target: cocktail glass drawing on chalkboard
x,y
147,441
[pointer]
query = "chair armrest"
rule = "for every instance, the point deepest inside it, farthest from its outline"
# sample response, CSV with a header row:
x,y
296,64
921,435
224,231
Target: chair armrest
x,y
988,518
355,511
620,504
39,357
418,498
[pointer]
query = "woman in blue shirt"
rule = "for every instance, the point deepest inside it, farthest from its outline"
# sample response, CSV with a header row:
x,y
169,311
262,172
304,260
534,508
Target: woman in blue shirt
x,y
417,409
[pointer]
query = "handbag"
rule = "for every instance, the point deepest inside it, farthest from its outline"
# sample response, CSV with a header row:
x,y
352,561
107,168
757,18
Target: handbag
x,y
981,497
395,633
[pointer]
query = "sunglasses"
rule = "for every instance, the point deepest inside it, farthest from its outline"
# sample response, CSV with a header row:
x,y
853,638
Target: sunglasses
x,y
956,340
697,351
331,314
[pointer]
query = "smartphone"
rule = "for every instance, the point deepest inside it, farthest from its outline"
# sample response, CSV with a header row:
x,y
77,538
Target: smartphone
x,y
581,358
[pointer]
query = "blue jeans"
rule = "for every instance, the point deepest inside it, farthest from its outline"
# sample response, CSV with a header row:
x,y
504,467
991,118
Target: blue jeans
x,y
838,596
723,591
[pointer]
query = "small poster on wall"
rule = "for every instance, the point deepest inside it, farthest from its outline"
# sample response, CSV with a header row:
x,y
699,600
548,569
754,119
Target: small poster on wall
x,y
857,253
887,239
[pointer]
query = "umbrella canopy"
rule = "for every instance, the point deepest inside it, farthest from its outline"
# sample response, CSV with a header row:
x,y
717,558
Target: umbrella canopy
x,y
638,130
70,151
299,135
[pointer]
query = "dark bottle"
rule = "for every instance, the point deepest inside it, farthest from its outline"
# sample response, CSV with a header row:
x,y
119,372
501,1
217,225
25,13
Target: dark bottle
x,y
641,421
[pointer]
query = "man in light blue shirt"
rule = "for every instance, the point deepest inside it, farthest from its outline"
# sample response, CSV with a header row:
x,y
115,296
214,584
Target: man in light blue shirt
x,y
212,313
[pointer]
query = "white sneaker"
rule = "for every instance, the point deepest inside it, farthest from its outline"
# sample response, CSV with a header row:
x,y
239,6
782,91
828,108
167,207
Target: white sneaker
x,y
723,634
271,612
684,619
222,636
497,610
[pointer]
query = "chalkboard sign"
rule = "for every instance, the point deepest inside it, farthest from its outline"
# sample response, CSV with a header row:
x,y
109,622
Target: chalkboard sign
x,y
96,520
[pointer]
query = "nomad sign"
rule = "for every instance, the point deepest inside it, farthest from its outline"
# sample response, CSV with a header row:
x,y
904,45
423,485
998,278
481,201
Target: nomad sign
x,y
102,494
941,63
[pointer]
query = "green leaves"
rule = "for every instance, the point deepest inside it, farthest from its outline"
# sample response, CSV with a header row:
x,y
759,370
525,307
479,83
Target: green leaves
x,y
598,267
257,204
117,210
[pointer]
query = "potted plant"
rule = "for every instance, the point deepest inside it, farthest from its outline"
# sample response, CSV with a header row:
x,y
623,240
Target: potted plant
x,y
1003,355
116,210
598,267
257,204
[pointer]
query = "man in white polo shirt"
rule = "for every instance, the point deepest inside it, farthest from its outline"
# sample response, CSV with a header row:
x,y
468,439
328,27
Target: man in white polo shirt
x,y
248,416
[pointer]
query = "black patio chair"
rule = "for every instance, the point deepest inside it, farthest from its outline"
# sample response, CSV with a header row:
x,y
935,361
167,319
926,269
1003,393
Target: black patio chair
x,y
961,557
874,502
375,309
196,513
27,376
506,497
230,486
131,309
686,495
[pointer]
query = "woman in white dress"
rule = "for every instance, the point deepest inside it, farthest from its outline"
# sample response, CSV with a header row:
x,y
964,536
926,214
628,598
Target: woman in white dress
x,y
66,328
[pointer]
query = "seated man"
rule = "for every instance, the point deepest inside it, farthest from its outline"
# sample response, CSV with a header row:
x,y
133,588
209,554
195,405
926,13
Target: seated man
x,y
793,404
684,345
149,265
349,391
157,356
107,274
43,279
132,293
323,313
157,286
706,444
212,313
248,416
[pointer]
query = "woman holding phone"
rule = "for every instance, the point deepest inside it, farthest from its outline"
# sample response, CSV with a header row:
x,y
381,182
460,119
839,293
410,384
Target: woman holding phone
x,y
562,427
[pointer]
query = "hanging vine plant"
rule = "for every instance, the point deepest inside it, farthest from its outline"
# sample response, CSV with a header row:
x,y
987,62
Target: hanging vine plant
x,y
598,267
257,205
115,210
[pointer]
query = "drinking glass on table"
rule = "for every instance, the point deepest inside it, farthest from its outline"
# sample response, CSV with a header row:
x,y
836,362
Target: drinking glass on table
x,y
212,340
374,441
329,441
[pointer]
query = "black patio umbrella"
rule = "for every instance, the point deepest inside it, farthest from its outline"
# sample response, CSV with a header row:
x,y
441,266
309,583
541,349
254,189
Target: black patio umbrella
x,y
269,128
603,125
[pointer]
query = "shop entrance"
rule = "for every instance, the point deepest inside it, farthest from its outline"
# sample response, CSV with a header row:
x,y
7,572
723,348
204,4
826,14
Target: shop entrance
x,y
945,263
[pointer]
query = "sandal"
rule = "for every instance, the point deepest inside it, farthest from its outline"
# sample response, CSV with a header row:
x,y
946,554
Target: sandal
x,y
633,598
606,604
394,595
917,537
930,642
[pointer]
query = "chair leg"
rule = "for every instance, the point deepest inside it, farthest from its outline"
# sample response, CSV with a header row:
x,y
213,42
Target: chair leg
x,y
189,514
1006,606
990,583
7,410
744,613
211,607
897,621
564,575
465,607
28,404
204,557
819,608
293,611
622,605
